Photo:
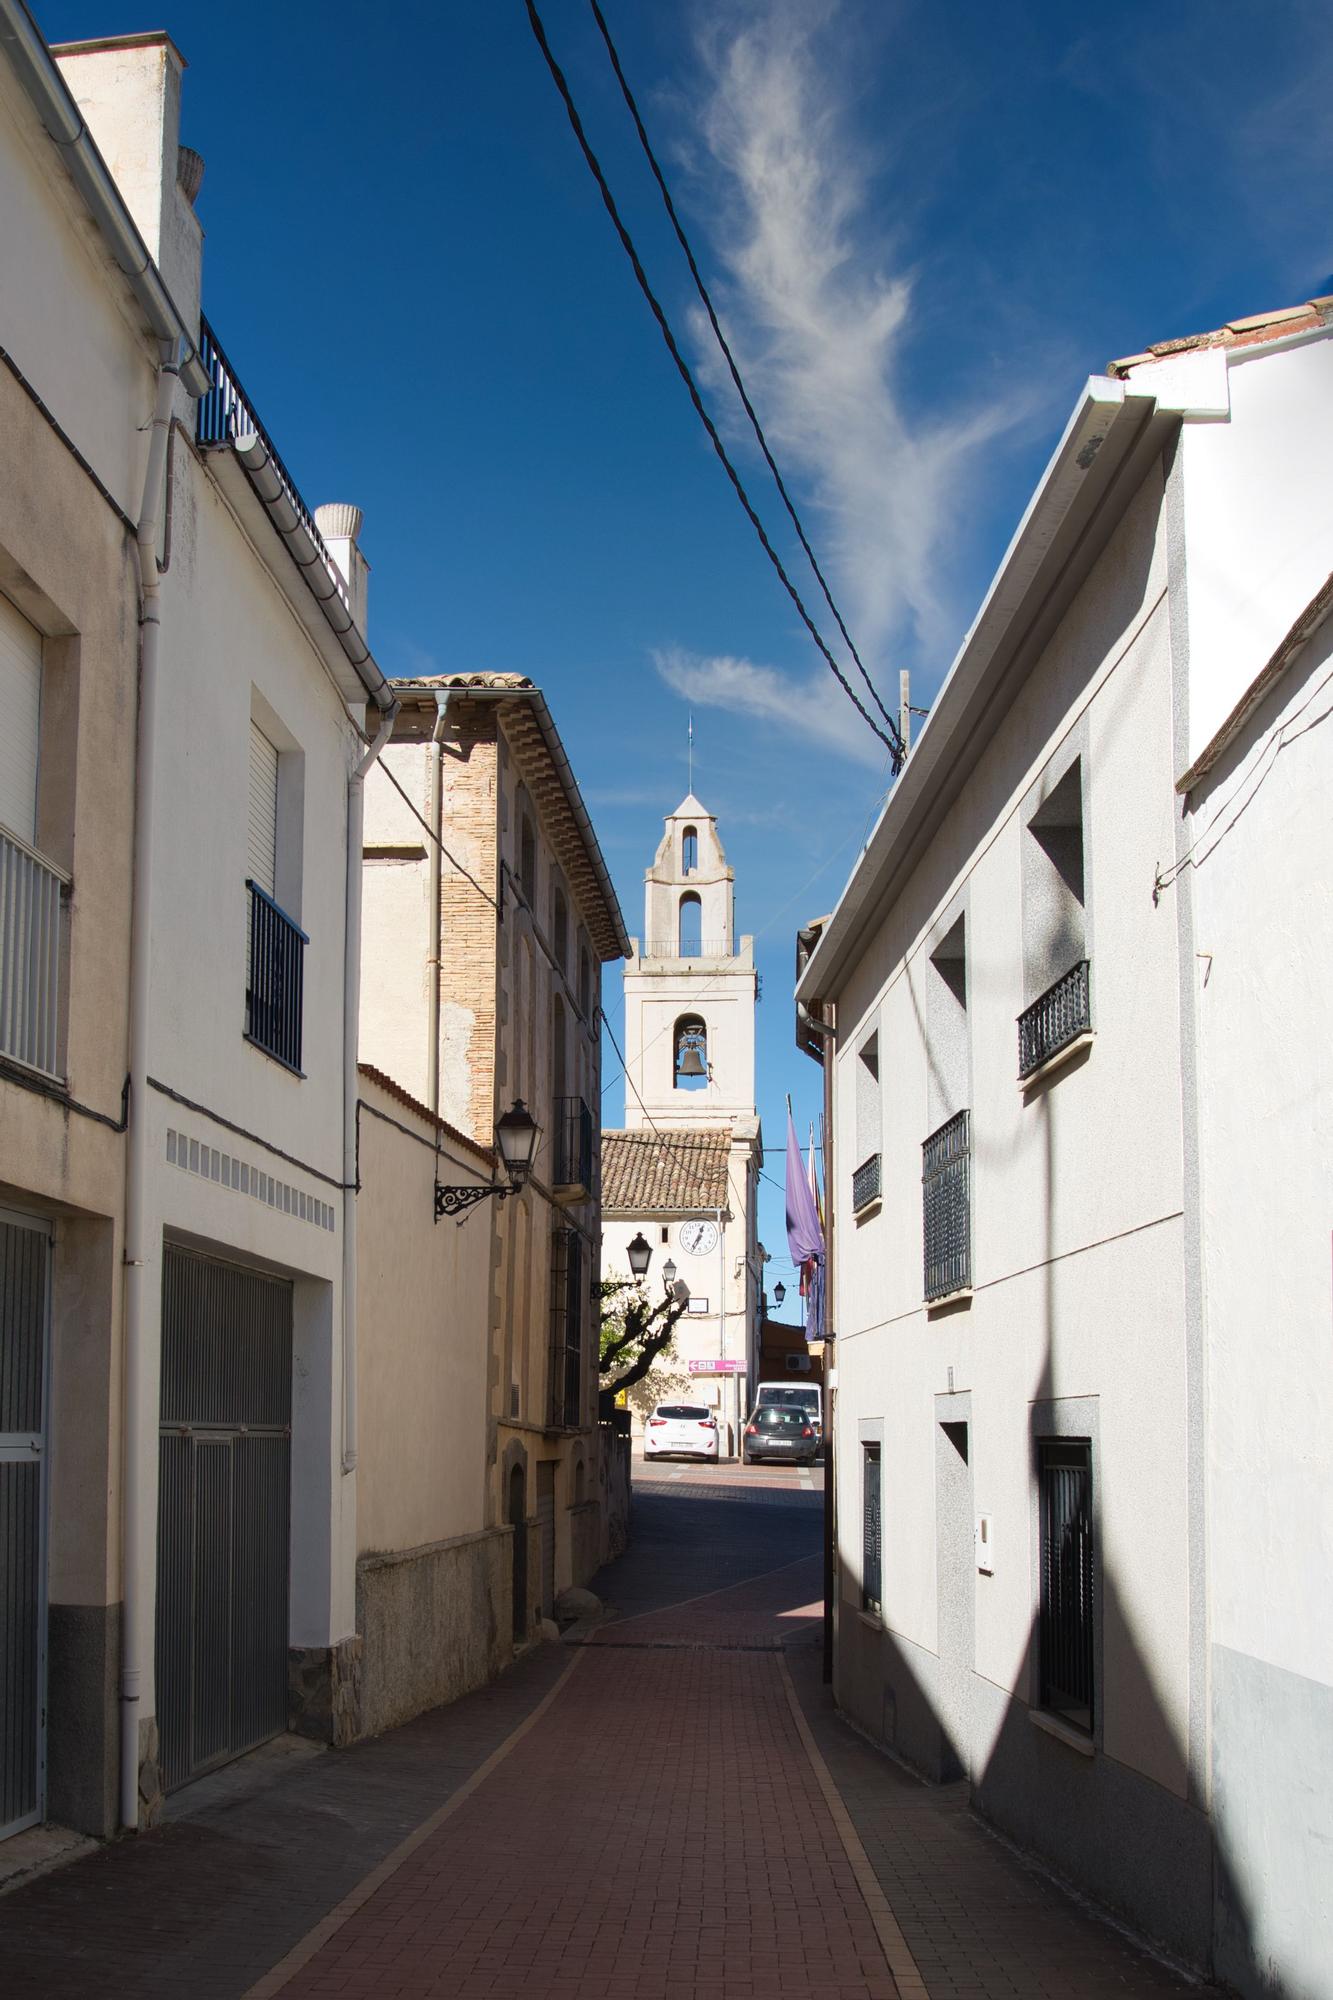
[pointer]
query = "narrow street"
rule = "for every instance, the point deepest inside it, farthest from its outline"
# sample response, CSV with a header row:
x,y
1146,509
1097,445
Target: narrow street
x,y
666,1807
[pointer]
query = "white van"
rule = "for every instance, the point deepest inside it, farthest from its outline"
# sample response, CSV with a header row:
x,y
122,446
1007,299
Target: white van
x,y
794,1396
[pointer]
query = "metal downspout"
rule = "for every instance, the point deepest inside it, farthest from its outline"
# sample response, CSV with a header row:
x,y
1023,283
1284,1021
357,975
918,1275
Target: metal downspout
x,y
433,957
356,815
134,1440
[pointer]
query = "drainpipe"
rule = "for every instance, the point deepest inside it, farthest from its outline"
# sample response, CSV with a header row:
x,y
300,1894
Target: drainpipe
x,y
356,814
133,1469
433,957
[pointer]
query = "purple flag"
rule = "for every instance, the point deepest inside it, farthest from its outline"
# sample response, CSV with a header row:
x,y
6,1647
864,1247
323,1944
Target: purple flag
x,y
805,1237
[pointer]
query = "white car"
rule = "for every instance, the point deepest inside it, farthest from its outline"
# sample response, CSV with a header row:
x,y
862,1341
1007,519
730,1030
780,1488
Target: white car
x,y
680,1430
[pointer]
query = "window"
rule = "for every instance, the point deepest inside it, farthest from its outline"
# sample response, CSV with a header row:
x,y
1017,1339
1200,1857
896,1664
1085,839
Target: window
x,y
30,890
691,925
527,862
585,982
560,929
1064,1473
871,1531
691,1053
1055,949
275,946
689,851
866,1175
21,706
946,1209
566,1372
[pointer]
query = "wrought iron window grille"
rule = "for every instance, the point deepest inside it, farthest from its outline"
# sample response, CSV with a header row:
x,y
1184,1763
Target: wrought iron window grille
x,y
946,1199
566,1364
866,1183
574,1144
275,982
1066,1637
1058,1017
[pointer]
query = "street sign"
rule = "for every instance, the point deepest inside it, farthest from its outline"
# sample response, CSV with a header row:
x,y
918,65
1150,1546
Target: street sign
x,y
716,1366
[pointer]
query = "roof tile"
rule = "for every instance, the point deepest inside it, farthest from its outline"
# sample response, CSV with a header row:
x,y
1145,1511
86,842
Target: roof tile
x,y
652,1171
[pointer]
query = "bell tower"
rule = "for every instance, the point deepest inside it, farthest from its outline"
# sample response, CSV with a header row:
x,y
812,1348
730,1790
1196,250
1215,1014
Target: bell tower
x,y
689,991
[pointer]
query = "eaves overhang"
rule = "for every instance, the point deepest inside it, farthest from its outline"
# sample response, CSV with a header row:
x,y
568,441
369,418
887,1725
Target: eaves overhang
x,y
26,50
1111,439
247,476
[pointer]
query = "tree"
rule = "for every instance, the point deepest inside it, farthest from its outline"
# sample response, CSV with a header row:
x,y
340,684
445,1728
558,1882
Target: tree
x,y
634,1330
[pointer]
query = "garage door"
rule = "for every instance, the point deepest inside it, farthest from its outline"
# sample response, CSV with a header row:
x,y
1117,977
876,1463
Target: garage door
x,y
223,1512
25,1253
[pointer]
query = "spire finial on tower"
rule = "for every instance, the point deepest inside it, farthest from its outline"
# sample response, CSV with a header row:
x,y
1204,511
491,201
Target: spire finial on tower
x,y
691,744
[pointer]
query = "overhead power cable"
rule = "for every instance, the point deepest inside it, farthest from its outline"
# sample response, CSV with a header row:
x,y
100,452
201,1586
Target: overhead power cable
x,y
892,742
730,359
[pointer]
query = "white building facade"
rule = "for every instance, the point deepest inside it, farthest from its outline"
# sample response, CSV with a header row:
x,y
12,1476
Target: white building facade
x,y
1080,1141
685,1170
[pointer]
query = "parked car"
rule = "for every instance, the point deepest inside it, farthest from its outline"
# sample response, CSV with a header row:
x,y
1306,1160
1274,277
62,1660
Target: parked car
x,y
807,1396
680,1430
781,1430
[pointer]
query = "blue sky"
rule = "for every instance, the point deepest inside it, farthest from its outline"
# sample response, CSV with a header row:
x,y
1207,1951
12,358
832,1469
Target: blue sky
x,y
924,226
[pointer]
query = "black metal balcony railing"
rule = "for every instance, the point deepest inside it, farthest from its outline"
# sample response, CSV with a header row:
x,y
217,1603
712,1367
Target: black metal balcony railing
x,y
573,1143
865,1183
274,982
1060,1016
946,1198
226,413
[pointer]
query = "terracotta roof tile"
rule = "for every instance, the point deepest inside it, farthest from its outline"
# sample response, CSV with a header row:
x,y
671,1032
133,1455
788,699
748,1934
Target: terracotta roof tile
x,y
442,1125
679,1170
1247,332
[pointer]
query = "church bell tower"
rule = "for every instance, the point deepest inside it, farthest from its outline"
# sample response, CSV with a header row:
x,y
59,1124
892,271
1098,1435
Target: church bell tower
x,y
689,991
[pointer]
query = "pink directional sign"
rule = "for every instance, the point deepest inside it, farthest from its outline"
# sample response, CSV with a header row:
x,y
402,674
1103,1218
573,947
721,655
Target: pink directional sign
x,y
717,1367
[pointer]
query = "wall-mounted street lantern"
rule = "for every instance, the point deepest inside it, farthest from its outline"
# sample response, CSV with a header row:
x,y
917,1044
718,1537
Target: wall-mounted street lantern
x,y
516,1136
779,1293
640,1252
669,1273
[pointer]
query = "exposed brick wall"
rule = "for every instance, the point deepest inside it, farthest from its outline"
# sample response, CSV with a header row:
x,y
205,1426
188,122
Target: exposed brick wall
x,y
469,925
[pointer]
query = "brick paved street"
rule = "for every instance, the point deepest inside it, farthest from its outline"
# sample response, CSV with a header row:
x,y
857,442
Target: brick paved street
x,y
682,1814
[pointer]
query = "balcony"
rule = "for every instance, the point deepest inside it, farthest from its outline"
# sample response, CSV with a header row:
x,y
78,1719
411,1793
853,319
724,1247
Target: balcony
x,y
574,1159
274,981
865,1184
1052,1024
672,948
30,945
946,1201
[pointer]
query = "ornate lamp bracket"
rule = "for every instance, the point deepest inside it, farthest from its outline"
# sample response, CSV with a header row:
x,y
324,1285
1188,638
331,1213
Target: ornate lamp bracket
x,y
458,1200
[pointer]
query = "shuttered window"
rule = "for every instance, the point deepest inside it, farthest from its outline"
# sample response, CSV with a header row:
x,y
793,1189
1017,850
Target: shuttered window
x,y
20,718
262,830
872,1537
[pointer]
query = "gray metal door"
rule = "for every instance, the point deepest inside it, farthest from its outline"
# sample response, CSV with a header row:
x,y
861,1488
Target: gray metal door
x,y
25,1260
546,1529
223,1512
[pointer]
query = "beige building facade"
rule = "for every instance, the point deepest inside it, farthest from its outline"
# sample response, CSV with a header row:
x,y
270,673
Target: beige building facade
x,y
489,913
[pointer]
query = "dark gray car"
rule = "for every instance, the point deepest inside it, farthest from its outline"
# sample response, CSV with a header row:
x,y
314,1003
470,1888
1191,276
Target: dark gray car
x,y
777,1431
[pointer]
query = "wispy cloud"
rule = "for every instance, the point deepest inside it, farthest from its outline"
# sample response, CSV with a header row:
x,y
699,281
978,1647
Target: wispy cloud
x,y
817,296
807,706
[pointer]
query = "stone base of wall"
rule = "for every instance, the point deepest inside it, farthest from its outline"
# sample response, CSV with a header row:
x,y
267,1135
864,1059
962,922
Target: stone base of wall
x,y
83,1716
324,1689
434,1622
586,1540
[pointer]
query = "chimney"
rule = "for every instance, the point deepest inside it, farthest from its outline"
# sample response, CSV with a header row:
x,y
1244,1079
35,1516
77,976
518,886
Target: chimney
x,y
340,525
128,88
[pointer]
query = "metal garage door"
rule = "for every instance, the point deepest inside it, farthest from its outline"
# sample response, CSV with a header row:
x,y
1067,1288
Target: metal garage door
x,y
223,1512
546,1529
25,1256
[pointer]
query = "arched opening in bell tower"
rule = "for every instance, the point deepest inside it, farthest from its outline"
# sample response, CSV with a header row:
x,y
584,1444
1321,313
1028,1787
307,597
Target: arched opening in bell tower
x,y
691,1053
690,930
689,850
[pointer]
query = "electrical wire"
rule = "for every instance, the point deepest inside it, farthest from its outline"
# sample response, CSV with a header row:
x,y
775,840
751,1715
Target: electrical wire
x,y
741,390
892,742
429,830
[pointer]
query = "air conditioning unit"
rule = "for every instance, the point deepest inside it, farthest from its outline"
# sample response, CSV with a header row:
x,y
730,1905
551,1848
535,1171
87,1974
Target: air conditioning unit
x,y
798,1364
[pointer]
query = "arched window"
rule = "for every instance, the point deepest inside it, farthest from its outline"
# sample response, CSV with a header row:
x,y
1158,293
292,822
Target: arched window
x,y
689,850
691,1053
691,925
